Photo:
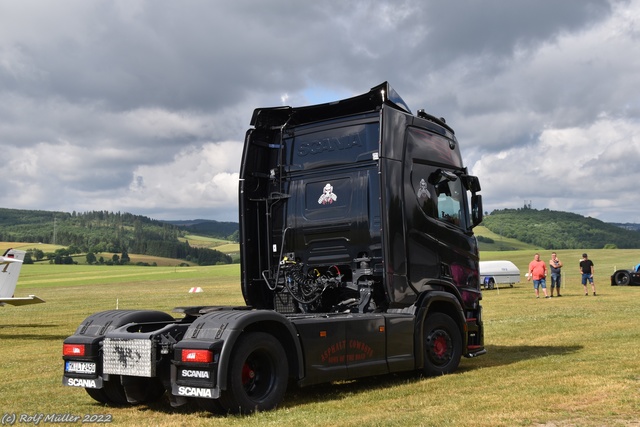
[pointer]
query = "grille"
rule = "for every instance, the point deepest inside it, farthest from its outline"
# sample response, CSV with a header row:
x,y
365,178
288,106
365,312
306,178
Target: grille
x,y
284,303
135,357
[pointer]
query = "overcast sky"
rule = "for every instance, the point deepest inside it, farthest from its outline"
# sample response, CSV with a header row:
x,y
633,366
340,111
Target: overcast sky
x,y
141,106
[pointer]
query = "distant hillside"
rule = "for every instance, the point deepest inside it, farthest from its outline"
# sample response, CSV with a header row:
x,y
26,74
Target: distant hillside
x,y
490,241
210,228
627,226
103,231
559,230
115,232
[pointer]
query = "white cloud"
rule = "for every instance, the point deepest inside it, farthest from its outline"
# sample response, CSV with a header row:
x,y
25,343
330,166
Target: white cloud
x,y
202,178
589,171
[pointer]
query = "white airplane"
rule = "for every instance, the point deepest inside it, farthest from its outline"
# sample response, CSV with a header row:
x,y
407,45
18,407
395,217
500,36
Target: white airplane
x,y
10,265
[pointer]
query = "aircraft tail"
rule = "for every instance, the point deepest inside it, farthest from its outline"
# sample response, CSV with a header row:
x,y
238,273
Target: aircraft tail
x,y
10,265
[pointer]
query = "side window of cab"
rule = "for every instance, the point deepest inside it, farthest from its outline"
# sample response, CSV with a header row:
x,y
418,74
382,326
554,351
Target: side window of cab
x,y
439,194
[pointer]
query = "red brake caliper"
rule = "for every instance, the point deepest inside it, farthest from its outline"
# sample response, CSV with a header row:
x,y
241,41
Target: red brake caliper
x,y
247,374
440,346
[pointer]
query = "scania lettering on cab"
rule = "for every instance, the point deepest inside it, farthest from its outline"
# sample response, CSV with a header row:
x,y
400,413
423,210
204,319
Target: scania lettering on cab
x,y
357,258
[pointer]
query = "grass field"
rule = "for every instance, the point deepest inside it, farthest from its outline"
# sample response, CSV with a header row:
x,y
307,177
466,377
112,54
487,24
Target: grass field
x,y
44,247
224,246
231,249
570,361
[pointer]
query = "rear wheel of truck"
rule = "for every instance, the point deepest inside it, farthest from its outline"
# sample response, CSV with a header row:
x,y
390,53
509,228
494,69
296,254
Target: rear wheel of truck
x,y
442,345
258,375
98,395
142,390
111,393
211,405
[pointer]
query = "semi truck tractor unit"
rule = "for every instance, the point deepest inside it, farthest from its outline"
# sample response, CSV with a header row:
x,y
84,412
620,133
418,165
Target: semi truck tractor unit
x,y
357,258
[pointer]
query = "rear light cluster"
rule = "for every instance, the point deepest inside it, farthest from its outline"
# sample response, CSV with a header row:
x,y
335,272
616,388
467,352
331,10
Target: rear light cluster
x,y
196,370
197,356
73,350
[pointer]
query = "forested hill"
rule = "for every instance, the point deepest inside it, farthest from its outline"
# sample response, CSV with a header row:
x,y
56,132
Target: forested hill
x,y
207,227
559,230
102,231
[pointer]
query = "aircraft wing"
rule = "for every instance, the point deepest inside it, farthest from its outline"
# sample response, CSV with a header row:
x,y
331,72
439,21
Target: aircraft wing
x,y
31,299
10,265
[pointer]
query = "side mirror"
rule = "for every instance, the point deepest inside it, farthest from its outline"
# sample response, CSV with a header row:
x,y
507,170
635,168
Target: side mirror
x,y
472,183
441,176
476,209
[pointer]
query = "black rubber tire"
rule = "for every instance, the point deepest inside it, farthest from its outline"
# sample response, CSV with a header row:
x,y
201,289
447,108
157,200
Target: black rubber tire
x,y
622,278
98,395
142,390
492,284
111,393
211,405
258,375
114,391
442,345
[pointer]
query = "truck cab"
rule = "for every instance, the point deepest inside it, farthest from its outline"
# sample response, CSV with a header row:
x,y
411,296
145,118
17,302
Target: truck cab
x,y
355,206
358,258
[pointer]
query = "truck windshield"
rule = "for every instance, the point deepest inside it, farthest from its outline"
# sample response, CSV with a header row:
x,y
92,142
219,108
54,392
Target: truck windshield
x,y
319,147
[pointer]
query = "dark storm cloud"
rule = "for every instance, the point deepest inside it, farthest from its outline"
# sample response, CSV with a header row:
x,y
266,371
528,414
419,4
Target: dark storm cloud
x,y
141,106
497,27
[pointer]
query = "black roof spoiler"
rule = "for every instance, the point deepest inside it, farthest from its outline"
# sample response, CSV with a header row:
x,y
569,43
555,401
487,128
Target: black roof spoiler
x,y
367,102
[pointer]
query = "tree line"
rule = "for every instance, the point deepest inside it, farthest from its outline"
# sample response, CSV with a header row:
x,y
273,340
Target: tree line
x,y
102,231
559,230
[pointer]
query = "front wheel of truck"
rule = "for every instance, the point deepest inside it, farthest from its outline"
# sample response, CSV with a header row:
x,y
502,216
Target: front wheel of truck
x,y
442,345
258,375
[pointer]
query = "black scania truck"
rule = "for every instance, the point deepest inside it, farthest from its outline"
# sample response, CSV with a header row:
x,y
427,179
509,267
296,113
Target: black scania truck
x,y
358,258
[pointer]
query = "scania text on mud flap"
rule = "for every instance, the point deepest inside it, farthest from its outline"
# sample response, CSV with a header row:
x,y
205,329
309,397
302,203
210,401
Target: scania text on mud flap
x,y
358,258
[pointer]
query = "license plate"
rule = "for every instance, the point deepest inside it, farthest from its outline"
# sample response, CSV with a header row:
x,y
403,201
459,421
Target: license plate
x,y
80,367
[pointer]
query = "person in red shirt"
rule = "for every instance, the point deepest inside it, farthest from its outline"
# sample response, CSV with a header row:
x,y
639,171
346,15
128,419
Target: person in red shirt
x,y
538,273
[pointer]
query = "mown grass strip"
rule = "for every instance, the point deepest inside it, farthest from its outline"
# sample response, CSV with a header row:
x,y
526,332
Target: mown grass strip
x,y
569,361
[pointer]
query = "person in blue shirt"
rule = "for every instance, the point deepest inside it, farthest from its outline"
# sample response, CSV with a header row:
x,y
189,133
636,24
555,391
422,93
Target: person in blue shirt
x,y
555,266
